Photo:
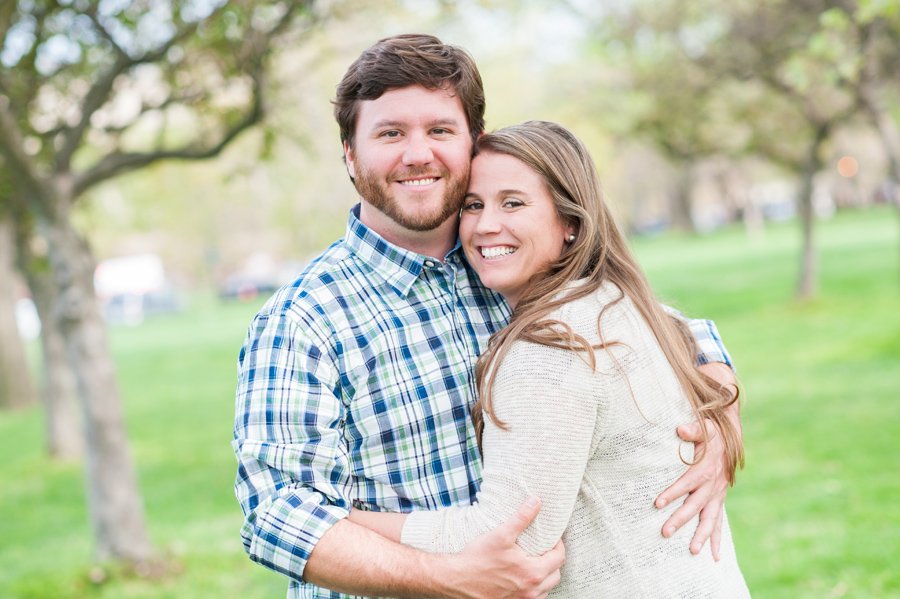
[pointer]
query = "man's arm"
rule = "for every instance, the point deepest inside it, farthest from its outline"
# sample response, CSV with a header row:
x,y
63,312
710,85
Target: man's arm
x,y
293,467
354,559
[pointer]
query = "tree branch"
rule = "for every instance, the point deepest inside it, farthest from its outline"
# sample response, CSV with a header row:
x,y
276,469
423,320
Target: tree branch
x,y
99,93
19,165
123,162
91,12
7,10
255,52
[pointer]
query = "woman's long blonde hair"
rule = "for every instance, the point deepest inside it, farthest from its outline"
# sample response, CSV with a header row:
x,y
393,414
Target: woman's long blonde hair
x,y
599,253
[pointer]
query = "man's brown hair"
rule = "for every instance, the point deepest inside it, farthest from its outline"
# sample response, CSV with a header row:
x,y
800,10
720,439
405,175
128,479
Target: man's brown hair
x,y
404,60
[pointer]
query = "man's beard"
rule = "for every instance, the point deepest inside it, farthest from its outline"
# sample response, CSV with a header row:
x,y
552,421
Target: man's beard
x,y
376,193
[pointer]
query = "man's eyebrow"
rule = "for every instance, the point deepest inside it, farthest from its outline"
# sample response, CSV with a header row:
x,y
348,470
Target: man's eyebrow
x,y
399,124
387,123
446,121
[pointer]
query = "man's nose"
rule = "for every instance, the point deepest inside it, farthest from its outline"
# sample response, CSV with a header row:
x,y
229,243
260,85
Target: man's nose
x,y
418,151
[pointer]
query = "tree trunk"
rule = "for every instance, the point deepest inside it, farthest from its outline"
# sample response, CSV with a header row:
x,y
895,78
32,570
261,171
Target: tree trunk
x,y
808,283
16,388
115,503
682,218
63,423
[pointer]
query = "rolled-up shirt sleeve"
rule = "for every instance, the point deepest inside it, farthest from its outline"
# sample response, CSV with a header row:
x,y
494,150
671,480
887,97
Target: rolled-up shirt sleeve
x,y
293,469
710,347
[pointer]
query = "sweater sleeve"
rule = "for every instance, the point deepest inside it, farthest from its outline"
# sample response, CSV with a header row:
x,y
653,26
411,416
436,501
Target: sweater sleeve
x,y
546,397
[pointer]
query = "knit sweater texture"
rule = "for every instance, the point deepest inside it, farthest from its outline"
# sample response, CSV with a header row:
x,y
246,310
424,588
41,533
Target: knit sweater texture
x,y
597,446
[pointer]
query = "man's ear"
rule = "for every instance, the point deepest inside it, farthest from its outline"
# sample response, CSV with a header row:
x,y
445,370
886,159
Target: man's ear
x,y
350,160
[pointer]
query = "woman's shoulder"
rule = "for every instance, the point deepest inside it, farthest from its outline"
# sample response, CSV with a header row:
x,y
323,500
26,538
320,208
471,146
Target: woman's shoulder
x,y
581,313
580,316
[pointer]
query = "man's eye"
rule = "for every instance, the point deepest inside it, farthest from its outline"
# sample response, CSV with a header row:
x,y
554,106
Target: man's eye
x,y
390,134
440,131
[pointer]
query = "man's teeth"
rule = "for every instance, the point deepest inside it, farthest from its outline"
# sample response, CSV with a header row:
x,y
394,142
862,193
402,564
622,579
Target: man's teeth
x,y
497,251
419,181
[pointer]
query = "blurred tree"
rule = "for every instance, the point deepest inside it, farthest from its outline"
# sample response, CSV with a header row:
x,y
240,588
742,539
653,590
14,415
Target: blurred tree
x,y
91,89
865,37
63,424
741,78
16,389
674,98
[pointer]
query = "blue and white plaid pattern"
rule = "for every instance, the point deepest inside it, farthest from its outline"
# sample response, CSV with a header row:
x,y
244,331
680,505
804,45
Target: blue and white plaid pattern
x,y
355,383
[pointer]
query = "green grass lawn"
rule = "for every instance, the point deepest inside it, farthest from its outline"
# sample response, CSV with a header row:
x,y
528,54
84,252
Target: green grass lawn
x,y
815,513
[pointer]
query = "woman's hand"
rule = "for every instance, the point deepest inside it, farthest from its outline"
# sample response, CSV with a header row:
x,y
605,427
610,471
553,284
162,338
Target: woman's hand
x,y
387,524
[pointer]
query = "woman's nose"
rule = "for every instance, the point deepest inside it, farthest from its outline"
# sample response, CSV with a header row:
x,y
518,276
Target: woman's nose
x,y
489,221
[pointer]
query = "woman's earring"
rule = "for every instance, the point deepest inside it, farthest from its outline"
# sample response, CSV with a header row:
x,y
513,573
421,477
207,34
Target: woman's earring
x,y
571,237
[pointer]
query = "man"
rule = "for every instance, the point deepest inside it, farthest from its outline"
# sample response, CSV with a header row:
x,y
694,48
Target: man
x,y
355,380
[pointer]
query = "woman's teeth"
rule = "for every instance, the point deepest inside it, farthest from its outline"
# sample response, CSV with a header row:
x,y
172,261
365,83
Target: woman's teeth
x,y
497,251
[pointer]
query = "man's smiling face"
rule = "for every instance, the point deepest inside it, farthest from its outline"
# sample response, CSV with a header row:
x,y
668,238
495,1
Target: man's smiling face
x,y
410,156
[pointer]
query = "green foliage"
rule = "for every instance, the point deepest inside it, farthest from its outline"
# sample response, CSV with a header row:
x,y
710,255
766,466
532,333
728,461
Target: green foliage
x,y
814,514
869,10
720,76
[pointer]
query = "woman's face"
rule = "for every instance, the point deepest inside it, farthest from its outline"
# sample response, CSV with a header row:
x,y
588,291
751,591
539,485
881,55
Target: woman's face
x,y
509,227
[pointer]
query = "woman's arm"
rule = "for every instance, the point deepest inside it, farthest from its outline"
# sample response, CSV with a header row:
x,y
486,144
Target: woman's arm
x,y
387,524
545,396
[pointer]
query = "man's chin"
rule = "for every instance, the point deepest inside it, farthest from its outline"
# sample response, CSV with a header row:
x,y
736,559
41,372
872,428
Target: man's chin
x,y
421,222
423,225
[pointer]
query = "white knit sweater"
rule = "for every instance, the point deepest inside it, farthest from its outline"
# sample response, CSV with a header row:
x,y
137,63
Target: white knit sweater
x,y
597,447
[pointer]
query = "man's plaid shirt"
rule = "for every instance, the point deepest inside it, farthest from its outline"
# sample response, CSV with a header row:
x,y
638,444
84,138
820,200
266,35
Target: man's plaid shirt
x,y
355,383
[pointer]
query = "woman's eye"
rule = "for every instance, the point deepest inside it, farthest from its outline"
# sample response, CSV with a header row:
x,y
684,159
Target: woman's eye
x,y
472,206
513,203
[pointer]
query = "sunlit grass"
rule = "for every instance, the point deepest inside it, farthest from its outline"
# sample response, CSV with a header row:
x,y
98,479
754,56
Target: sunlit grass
x,y
815,513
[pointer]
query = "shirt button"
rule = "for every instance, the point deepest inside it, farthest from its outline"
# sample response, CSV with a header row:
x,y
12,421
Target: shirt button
x,y
429,263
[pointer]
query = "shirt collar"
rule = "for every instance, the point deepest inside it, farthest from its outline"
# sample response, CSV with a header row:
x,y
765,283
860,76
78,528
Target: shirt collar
x,y
398,267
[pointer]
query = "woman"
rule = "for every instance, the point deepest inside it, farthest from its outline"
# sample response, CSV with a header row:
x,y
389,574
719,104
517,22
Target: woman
x,y
581,393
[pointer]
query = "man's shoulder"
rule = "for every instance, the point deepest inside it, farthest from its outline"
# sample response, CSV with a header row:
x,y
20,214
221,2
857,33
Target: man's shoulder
x,y
323,277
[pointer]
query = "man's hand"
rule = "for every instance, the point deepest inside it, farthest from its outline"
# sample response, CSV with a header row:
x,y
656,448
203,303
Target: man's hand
x,y
493,566
705,481
355,560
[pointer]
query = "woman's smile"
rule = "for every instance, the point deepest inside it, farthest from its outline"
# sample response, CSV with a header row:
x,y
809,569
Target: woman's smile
x,y
510,230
